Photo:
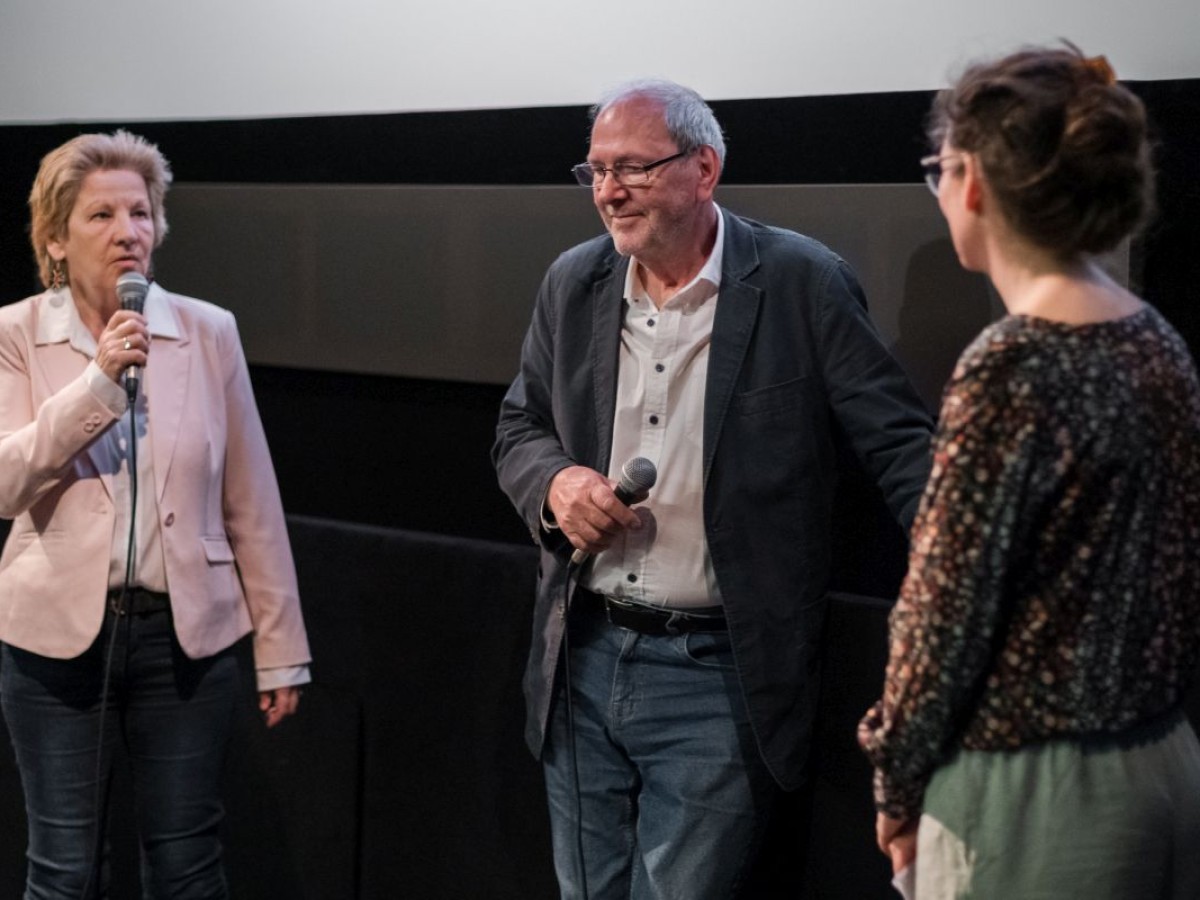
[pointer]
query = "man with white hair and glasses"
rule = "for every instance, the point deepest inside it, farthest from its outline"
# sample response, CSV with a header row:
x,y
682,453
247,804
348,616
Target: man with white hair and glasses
x,y
731,355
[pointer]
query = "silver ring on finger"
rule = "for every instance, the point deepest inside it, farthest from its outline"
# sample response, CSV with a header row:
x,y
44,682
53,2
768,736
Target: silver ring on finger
x,y
127,344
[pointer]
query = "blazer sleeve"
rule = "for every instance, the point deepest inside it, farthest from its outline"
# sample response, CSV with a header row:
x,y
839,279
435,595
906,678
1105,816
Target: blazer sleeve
x,y
872,399
38,445
254,521
527,452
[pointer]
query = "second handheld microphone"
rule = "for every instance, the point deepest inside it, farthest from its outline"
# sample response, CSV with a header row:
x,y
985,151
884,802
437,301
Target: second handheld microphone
x,y
637,476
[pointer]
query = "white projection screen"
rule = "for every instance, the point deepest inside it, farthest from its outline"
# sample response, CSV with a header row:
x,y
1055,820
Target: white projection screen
x,y
145,59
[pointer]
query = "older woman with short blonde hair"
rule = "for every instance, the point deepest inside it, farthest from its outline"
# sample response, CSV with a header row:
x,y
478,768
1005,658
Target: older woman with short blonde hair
x,y
147,538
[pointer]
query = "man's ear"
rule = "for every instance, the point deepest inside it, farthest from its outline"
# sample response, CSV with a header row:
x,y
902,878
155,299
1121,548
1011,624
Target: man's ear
x,y
710,172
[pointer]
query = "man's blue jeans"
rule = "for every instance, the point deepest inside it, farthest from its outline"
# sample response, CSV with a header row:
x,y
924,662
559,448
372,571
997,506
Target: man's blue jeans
x,y
174,716
674,795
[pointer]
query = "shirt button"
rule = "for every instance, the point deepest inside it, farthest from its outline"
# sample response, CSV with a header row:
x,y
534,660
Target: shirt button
x,y
169,520
659,367
654,420
631,577
650,322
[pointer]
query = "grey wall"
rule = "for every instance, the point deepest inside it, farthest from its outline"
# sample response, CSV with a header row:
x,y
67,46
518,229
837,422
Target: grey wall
x,y
438,282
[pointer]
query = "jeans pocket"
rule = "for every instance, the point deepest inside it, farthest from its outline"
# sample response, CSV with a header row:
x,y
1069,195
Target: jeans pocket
x,y
709,648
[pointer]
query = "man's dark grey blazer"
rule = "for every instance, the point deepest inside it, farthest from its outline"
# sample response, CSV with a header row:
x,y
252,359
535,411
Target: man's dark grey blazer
x,y
794,359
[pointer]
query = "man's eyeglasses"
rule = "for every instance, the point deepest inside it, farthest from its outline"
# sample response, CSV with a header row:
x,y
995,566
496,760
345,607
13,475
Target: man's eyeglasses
x,y
627,174
934,166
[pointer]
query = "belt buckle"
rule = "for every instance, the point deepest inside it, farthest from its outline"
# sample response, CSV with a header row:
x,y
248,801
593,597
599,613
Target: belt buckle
x,y
138,602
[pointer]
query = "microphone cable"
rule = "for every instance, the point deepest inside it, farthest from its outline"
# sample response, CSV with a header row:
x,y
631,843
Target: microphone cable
x,y
638,475
121,617
573,565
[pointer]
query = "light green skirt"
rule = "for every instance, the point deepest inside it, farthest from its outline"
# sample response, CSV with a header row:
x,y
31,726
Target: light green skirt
x,y
1111,820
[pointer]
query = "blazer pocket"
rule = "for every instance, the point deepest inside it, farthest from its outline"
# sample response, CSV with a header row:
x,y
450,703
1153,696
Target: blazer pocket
x,y
775,397
217,550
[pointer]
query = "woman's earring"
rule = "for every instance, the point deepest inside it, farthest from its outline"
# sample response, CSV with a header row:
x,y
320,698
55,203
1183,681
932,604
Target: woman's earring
x,y
58,275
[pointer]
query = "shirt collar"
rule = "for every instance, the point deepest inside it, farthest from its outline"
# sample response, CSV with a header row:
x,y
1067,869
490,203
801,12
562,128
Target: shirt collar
x,y
59,320
706,283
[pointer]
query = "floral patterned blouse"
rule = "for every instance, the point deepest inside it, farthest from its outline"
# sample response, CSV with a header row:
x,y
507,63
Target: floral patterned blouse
x,y
1053,586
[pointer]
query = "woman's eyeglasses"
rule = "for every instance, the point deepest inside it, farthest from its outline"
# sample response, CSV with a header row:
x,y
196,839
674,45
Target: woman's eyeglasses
x,y
934,166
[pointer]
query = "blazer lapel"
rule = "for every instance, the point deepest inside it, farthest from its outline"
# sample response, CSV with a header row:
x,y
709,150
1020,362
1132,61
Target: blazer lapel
x,y
737,310
166,393
608,304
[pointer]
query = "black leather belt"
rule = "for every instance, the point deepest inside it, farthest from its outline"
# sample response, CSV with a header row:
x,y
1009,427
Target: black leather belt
x,y
138,602
650,620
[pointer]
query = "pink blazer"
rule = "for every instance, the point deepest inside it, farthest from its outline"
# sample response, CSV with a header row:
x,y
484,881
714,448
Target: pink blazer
x,y
229,565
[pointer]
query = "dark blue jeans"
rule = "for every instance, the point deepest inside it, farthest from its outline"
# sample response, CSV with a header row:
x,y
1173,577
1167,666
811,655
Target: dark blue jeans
x,y
173,716
674,795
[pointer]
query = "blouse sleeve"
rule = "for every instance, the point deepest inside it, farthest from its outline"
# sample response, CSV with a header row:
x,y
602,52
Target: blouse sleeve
x,y
950,617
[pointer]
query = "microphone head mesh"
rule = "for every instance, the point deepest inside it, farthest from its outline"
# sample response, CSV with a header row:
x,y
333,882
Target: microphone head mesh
x,y
131,290
637,475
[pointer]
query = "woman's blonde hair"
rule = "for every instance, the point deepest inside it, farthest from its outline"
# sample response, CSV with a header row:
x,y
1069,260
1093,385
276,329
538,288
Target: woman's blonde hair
x,y
61,175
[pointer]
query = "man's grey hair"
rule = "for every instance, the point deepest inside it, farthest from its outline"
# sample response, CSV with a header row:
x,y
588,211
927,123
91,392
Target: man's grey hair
x,y
688,118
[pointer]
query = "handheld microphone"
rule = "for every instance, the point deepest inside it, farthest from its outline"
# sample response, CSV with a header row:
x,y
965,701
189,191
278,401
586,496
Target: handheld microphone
x,y
131,290
637,476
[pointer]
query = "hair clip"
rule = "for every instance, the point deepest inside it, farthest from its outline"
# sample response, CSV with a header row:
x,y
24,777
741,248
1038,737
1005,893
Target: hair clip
x,y
1099,66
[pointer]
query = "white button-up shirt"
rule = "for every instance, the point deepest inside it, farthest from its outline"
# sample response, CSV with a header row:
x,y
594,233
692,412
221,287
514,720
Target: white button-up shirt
x,y
663,365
